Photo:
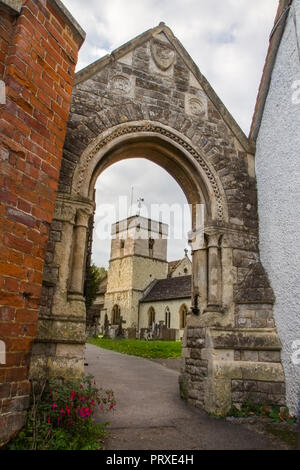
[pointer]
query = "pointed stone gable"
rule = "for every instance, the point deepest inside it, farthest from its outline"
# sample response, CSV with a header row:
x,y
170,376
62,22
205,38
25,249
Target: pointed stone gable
x,y
152,79
159,52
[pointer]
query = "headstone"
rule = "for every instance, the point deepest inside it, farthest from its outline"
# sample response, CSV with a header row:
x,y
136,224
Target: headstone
x,y
120,330
106,327
131,333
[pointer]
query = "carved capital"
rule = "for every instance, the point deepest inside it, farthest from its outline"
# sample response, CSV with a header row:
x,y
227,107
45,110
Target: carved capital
x,y
82,218
64,212
213,239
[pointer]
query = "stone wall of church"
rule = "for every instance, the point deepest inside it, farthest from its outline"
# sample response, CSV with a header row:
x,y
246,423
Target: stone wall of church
x,y
127,279
160,307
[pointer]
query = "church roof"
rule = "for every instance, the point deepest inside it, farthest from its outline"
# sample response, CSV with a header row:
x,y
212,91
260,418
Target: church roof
x,y
170,288
102,286
172,265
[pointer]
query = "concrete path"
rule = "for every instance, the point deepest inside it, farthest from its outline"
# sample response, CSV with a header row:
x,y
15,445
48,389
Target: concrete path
x,y
150,414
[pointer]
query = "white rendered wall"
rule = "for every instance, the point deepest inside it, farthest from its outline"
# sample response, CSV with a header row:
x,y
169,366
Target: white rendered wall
x,y
160,309
278,179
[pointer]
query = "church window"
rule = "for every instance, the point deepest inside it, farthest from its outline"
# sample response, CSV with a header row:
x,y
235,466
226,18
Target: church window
x,y
168,317
182,316
151,317
116,314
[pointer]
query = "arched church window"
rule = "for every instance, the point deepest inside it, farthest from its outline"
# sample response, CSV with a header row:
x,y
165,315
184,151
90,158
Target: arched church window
x,y
116,314
182,316
168,317
151,317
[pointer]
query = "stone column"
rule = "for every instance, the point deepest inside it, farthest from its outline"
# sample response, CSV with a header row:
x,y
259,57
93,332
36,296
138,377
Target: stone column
x,y
227,274
79,252
214,271
59,346
200,275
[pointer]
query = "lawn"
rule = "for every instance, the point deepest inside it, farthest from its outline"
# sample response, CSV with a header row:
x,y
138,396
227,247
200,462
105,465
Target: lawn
x,y
142,348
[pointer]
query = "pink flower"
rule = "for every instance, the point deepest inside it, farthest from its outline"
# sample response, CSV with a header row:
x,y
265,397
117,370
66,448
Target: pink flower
x,y
54,406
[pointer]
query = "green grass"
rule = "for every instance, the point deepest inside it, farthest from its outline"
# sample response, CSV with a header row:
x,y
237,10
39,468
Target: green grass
x,y
142,348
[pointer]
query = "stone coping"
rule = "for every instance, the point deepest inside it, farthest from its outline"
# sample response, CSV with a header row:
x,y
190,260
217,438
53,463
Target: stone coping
x,y
16,6
275,41
71,20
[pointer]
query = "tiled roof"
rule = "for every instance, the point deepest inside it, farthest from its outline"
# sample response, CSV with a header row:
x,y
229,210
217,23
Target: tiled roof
x,y
172,265
170,288
102,286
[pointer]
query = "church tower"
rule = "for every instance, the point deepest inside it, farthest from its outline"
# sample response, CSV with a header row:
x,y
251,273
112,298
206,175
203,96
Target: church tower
x,y
138,257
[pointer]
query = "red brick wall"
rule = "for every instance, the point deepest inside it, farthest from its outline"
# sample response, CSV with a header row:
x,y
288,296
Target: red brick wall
x,y
37,63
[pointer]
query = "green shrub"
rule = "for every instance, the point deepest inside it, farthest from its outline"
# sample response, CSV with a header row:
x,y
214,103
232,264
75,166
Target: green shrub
x,y
60,417
273,412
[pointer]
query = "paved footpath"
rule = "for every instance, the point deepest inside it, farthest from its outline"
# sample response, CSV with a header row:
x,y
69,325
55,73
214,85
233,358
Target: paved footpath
x,y
150,414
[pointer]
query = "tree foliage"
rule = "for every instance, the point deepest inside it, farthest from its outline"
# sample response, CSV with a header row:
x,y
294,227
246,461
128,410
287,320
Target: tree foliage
x,y
93,277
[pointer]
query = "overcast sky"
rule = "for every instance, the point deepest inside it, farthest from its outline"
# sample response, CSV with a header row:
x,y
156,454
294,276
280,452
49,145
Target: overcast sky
x,y
228,40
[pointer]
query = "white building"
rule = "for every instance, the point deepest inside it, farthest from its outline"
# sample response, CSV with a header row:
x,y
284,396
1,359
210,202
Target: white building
x,y
276,130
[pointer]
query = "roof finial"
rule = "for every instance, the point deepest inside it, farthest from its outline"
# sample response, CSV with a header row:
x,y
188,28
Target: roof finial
x,y
140,201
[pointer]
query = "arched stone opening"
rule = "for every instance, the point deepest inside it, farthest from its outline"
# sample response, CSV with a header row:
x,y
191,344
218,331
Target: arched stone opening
x,y
213,301
162,145
213,318
230,336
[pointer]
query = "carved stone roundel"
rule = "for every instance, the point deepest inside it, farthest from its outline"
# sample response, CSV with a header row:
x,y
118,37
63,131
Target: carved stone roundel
x,y
121,84
163,55
197,108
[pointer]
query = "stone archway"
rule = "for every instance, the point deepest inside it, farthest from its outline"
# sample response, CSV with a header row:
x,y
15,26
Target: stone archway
x,y
134,105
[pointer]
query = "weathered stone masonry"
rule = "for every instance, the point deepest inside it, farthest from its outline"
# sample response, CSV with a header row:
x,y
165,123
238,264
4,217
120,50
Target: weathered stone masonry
x,y
149,99
39,42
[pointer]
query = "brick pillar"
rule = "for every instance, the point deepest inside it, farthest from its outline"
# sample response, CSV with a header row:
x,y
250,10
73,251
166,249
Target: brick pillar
x,y
39,42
